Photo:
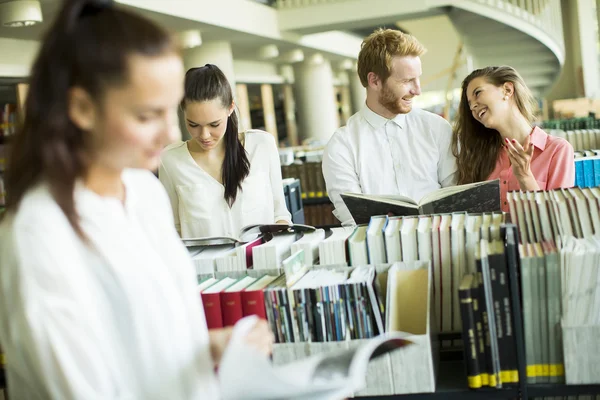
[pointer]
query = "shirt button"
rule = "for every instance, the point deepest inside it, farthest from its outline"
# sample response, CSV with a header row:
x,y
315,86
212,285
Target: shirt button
x,y
505,182
505,203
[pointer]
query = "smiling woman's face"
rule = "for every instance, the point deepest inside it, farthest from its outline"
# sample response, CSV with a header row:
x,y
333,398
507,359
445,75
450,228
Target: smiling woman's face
x,y
487,102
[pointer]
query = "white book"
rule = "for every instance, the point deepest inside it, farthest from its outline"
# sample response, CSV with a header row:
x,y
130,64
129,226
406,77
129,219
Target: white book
x,y
205,261
473,224
408,239
592,138
437,269
535,216
357,246
528,217
446,273
332,250
572,212
583,212
309,242
424,238
270,255
486,222
572,139
376,239
544,218
457,231
392,240
593,207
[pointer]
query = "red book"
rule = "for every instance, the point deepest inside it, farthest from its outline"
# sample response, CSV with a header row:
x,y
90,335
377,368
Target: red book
x,y
231,301
212,310
253,298
211,302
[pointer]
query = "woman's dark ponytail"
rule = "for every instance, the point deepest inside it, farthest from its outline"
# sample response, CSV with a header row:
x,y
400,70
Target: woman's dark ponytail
x,y
209,83
88,45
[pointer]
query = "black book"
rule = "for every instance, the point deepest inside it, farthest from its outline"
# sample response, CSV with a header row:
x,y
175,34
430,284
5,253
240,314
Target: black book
x,y
473,198
469,332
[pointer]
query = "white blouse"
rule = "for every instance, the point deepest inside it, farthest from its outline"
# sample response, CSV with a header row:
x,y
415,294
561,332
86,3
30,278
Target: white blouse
x,y
123,321
197,199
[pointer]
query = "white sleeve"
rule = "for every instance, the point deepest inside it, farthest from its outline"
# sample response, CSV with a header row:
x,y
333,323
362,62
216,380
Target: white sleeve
x,y
50,335
169,186
281,212
447,161
340,176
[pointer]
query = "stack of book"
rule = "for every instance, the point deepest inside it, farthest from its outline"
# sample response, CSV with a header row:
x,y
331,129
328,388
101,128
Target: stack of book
x,y
559,250
310,175
486,304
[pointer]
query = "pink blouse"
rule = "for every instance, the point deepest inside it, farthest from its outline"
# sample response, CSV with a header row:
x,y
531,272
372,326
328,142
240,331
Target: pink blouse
x,y
552,164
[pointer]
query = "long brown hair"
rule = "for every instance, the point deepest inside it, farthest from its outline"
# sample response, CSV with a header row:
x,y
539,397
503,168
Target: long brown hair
x,y
87,46
476,147
209,83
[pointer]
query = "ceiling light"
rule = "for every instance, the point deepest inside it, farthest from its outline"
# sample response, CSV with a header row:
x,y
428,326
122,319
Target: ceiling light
x,y
189,39
20,13
317,59
293,56
346,64
267,52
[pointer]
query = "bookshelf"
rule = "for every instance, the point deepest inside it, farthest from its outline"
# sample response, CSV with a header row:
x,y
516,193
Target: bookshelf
x,y
452,385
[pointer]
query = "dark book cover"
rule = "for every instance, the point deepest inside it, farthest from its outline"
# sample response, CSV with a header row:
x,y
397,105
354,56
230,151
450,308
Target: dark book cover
x,y
362,209
469,334
475,199
472,198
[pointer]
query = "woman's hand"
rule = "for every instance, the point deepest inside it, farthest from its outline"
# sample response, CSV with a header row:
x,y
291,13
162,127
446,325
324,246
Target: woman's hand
x,y
260,337
219,338
520,160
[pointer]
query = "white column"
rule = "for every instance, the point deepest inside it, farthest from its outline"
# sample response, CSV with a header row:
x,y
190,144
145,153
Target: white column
x,y
315,98
588,42
217,53
358,93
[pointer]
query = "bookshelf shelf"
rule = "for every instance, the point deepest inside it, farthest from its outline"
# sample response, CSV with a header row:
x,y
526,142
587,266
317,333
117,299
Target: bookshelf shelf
x,y
452,385
553,389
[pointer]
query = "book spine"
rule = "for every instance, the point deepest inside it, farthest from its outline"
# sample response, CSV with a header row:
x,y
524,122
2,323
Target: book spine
x,y
253,303
231,308
212,310
480,334
469,339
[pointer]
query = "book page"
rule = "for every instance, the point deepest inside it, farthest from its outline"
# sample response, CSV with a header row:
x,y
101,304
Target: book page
x,y
452,190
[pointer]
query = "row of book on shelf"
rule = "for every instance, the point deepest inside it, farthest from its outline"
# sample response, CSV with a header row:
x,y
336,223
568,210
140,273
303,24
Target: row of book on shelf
x,y
572,124
310,175
580,139
555,272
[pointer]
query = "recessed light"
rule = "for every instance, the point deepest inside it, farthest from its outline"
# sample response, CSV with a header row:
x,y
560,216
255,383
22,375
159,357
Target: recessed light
x,y
21,13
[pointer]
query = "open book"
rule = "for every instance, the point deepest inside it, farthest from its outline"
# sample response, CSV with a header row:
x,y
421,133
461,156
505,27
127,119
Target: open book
x,y
246,374
473,198
247,234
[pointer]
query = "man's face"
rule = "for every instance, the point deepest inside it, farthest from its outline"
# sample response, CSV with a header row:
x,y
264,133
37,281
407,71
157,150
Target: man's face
x,y
402,85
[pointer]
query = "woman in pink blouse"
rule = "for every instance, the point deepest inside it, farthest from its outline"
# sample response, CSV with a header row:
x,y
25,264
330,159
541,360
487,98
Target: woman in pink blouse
x,y
494,136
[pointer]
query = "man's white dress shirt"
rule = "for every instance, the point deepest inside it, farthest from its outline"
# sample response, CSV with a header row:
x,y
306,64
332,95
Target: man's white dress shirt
x,y
409,155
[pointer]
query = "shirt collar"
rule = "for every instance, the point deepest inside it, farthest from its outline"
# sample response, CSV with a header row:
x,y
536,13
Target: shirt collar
x,y
377,121
538,138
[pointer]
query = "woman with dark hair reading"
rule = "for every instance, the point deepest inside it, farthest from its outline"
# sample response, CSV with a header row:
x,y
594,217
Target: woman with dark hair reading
x,y
98,295
494,136
220,180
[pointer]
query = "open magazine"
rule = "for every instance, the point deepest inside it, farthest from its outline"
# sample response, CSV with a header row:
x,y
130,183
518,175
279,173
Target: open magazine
x,y
473,198
247,234
246,374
